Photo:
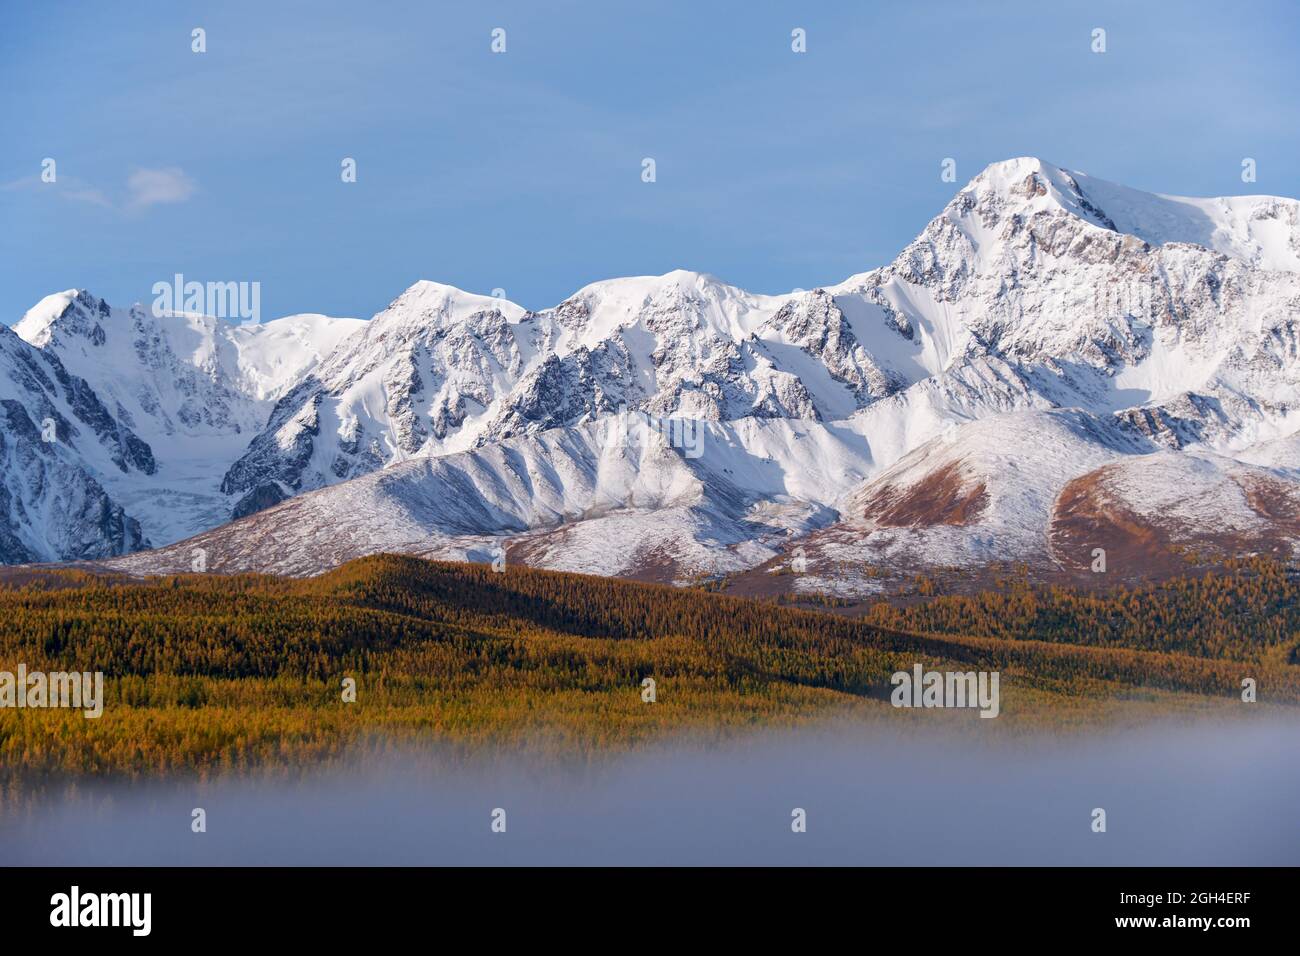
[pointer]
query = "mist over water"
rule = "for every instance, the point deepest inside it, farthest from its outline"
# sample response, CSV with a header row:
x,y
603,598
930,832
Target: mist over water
x,y
1222,794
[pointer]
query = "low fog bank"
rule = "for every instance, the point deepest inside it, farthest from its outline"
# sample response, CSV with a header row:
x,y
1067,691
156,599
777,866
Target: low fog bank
x,y
1221,794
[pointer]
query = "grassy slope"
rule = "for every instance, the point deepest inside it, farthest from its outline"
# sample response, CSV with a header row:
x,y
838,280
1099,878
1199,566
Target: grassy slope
x,y
205,672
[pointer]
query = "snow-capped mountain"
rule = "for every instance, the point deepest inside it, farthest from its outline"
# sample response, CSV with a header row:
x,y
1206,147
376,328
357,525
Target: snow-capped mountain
x,y
442,371
192,389
1006,389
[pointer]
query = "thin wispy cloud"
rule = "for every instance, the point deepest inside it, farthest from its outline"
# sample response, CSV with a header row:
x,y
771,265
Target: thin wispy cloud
x,y
83,192
143,188
64,188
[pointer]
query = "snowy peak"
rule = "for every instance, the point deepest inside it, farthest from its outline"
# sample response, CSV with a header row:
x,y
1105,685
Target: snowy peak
x,y
695,301
432,305
257,360
1031,186
74,313
1262,231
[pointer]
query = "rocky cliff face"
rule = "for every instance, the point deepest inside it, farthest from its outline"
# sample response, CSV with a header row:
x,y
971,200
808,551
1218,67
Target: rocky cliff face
x,y
55,438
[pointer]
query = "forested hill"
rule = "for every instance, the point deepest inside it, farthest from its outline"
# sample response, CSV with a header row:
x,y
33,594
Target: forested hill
x,y
204,670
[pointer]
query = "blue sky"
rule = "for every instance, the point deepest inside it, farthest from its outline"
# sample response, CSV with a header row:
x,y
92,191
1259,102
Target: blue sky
x,y
522,170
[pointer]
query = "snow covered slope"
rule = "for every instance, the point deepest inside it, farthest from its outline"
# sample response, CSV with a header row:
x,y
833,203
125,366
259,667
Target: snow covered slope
x,y
609,497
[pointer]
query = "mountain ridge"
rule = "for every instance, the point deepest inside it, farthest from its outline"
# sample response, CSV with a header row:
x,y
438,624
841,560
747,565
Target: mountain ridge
x,y
1167,323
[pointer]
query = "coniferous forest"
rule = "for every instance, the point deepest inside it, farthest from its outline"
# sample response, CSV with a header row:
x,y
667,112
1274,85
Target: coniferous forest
x,y
210,673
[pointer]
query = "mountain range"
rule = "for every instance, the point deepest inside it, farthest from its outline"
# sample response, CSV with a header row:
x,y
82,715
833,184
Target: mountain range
x,y
1055,365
